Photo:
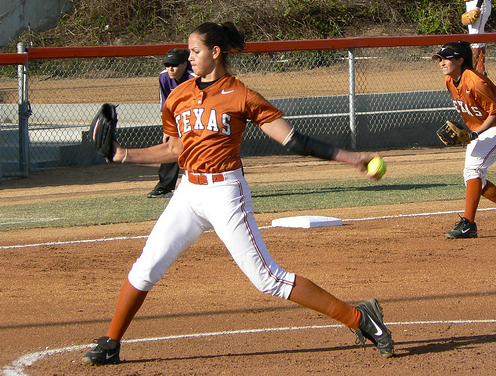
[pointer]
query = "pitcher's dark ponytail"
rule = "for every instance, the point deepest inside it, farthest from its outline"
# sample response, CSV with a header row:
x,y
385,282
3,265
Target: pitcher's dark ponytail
x,y
226,36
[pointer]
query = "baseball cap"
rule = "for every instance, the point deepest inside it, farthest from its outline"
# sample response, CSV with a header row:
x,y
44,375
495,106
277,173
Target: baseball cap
x,y
175,58
447,53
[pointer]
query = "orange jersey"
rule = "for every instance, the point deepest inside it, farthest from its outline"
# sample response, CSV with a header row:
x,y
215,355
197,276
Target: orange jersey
x,y
211,122
474,97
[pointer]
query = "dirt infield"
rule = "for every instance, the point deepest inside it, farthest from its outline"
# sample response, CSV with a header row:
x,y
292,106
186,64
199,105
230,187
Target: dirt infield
x,y
59,286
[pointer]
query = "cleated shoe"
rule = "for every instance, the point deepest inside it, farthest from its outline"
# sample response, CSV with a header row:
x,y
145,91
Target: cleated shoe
x,y
106,352
463,229
159,193
373,328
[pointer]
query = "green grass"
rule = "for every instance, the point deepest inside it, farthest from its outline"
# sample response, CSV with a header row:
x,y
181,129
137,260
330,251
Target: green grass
x,y
350,193
266,199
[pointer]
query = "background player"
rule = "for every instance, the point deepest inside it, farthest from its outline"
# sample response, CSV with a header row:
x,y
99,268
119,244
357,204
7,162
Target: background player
x,y
474,97
177,70
205,119
479,49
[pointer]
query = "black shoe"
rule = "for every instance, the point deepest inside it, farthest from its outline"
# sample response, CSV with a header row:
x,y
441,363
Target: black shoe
x,y
373,328
159,193
106,352
463,229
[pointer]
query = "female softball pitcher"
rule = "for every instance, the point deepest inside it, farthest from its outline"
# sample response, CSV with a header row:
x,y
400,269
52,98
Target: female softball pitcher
x,y
474,97
205,118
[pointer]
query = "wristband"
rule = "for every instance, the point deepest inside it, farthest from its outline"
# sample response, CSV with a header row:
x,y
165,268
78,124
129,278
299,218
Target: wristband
x,y
125,156
474,135
302,144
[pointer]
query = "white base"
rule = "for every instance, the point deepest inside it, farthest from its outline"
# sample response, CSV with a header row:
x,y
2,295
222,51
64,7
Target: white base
x,y
307,221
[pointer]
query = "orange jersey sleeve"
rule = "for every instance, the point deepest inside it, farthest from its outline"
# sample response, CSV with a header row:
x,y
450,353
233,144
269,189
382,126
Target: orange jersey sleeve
x,y
474,97
211,122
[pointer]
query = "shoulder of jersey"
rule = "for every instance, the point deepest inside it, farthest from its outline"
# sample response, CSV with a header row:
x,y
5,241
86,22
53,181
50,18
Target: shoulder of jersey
x,y
236,82
477,78
474,74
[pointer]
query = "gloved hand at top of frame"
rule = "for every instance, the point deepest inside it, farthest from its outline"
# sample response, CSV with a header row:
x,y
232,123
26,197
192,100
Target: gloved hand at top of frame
x,y
471,16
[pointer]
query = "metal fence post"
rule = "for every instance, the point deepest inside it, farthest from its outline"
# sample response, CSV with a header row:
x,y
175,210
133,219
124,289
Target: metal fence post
x,y
352,96
24,113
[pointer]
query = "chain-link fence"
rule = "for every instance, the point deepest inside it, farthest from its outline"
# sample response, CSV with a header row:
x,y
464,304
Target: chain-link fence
x,y
356,98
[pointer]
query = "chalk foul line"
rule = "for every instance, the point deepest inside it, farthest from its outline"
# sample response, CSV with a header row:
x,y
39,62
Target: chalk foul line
x,y
16,368
262,227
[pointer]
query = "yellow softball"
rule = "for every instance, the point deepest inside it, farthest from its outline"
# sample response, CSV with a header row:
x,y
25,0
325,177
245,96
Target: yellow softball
x,y
376,168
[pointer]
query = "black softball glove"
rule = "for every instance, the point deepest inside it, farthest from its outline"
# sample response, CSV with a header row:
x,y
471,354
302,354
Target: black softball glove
x,y
102,130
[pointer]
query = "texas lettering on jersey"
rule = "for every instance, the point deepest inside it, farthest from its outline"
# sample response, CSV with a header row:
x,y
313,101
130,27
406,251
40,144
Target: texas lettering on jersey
x,y
474,97
210,122
185,119
462,107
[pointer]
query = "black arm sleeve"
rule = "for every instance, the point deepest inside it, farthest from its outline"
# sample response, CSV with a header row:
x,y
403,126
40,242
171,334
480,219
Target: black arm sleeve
x,y
479,3
302,144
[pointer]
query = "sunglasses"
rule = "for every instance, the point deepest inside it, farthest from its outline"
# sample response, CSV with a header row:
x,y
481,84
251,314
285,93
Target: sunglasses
x,y
171,65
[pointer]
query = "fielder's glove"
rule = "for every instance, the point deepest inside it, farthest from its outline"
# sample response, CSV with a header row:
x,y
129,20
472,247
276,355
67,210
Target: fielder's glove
x,y
452,133
102,130
471,16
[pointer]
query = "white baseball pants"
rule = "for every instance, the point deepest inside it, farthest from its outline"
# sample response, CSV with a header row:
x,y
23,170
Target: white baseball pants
x,y
225,206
